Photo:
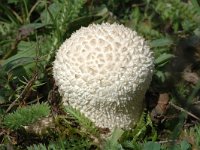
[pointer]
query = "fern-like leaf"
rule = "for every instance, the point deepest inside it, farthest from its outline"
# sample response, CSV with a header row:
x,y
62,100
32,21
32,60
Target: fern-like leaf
x,y
82,120
69,11
73,143
180,13
26,115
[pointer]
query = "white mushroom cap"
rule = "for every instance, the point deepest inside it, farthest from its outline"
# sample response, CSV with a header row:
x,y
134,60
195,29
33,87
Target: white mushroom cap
x,y
104,71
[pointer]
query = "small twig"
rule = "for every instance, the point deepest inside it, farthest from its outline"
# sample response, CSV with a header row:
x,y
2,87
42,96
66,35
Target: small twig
x,y
25,93
138,5
183,110
167,141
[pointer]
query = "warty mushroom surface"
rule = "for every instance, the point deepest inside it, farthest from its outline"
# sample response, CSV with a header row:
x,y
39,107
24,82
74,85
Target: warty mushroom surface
x,y
104,70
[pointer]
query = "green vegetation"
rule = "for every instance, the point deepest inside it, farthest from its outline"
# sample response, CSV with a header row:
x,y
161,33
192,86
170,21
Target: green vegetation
x,y
32,30
26,115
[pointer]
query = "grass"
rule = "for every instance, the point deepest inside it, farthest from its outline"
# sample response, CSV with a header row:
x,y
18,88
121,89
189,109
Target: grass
x,y
32,31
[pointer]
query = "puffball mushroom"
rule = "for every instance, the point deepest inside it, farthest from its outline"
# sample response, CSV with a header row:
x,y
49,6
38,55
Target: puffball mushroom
x,y
104,70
